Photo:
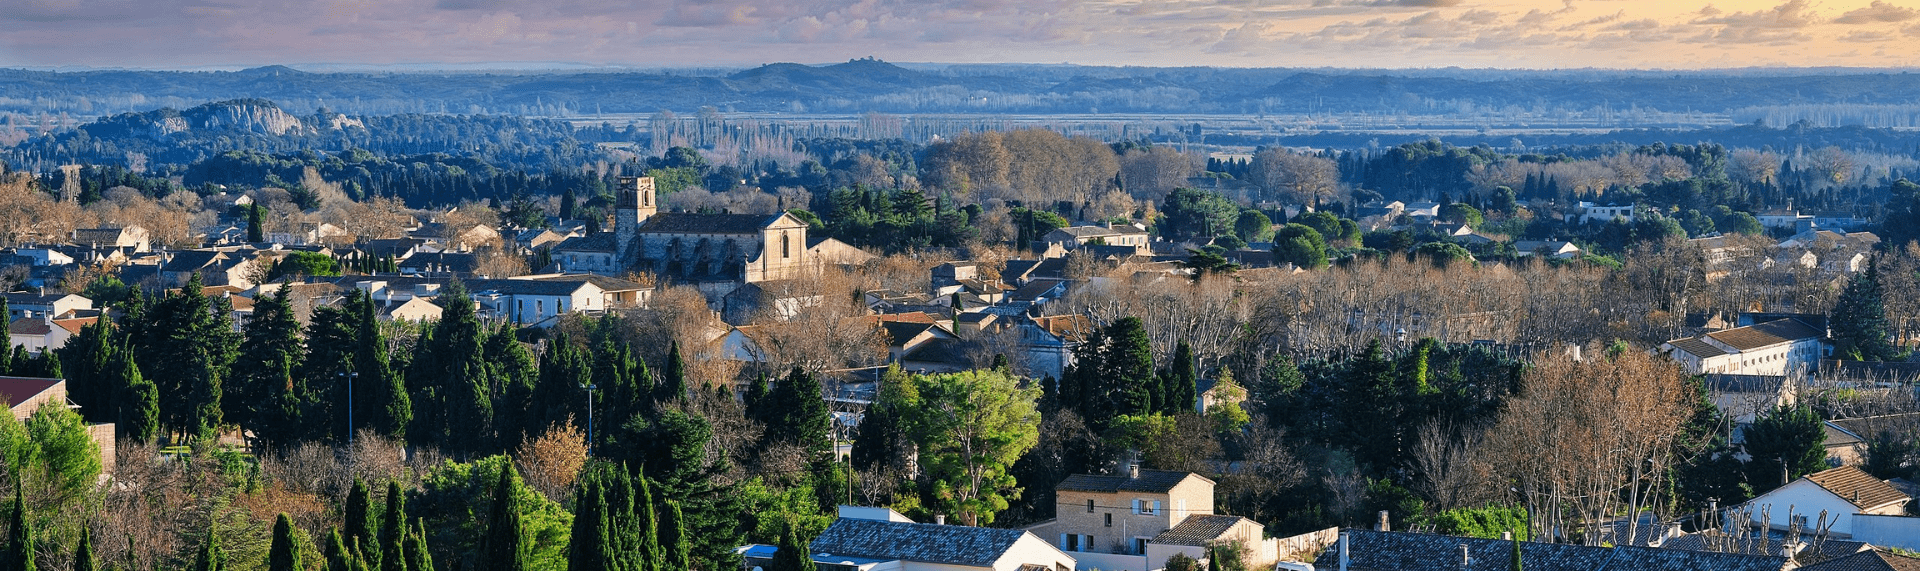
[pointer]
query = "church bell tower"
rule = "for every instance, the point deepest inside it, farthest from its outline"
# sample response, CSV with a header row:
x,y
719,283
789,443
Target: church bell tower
x,y
633,207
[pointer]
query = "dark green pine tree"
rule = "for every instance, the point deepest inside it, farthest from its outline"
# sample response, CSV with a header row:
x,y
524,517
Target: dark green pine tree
x,y
671,450
514,376
757,397
802,418
380,393
673,380
504,547
393,530
1128,370
676,550
1784,444
136,414
561,390
255,233
359,524
20,540
418,557
1181,381
1373,392
318,392
83,557
210,556
284,554
452,408
185,343
271,340
1860,329
791,554
86,358
567,205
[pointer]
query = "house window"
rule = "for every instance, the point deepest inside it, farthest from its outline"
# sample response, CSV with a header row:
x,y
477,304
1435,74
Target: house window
x,y
1089,506
786,246
1146,507
1109,520
539,307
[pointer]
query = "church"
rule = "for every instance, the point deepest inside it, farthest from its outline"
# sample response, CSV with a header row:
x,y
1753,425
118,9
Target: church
x,y
708,249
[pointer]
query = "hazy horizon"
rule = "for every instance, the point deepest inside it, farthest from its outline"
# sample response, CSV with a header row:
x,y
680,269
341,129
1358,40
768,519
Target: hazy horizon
x,y
1407,34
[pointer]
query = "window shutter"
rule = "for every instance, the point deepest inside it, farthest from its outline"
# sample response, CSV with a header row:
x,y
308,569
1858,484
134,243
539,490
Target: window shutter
x,y
1156,506
1136,506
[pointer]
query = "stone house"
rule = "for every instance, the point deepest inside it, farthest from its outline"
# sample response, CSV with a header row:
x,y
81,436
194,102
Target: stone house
x,y
1136,520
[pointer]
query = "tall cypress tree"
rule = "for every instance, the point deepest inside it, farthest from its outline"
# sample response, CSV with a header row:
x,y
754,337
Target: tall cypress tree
x,y
210,557
418,557
255,232
792,553
6,352
87,358
676,550
1181,380
561,390
648,543
588,544
504,548
19,555
83,558
284,555
393,530
673,380
359,524
380,395
338,557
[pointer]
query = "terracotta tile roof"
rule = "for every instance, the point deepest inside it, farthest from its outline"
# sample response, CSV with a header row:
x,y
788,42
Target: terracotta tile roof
x,y
1857,487
1198,531
75,324
29,326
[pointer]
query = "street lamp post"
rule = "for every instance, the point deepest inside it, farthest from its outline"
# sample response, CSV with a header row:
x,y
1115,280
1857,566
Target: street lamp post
x,y
351,378
590,388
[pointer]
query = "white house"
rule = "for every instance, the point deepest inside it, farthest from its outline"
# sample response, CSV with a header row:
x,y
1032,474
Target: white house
x,y
1841,492
1552,248
533,301
1590,212
21,305
878,539
1773,348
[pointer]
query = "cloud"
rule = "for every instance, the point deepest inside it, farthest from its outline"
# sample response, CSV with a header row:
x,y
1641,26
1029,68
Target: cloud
x,y
1792,15
1866,37
1877,12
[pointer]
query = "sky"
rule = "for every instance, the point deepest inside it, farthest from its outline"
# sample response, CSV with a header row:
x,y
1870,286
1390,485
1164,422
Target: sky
x,y
1556,34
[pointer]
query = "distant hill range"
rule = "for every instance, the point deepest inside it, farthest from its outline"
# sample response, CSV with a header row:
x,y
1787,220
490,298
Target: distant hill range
x,y
872,85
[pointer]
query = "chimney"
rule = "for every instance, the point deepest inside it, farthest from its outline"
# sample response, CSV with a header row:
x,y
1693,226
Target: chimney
x,y
1343,551
1466,557
1384,524
940,519
1133,471
1506,536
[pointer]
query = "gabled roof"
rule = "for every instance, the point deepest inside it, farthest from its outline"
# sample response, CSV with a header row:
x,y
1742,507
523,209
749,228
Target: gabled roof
x,y
1151,481
691,223
1857,487
1868,426
1769,543
29,326
1036,289
1694,346
1871,560
606,283
1404,551
527,287
917,542
1198,531
1765,334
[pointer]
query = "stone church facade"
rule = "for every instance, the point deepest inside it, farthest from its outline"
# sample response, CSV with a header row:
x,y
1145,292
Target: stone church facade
x,y
739,248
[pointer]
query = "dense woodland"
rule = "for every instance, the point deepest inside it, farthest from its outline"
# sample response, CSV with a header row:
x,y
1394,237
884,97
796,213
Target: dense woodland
x,y
469,445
